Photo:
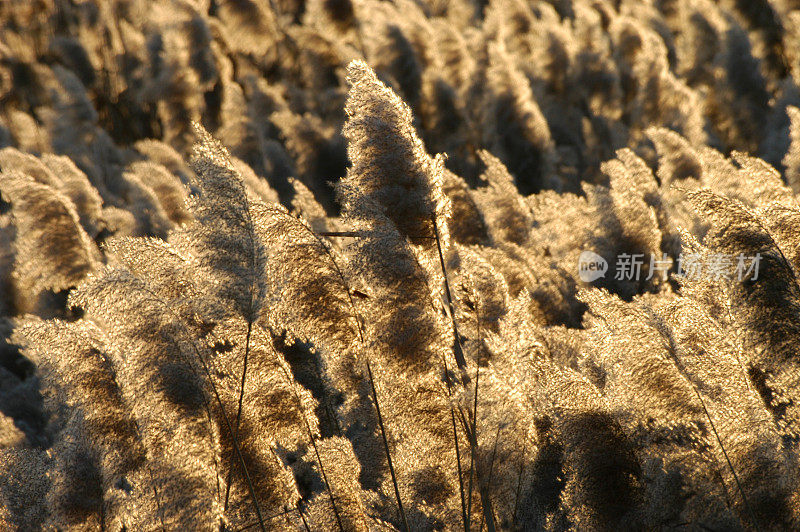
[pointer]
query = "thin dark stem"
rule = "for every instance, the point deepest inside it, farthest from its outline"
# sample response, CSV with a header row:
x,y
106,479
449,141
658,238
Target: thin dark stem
x,y
305,523
286,511
235,441
386,447
238,410
325,478
319,460
494,455
464,508
490,522
251,316
469,486
356,234
672,349
486,501
150,469
300,404
519,485
360,330
475,433
470,437
458,351
464,517
475,406
226,420
727,459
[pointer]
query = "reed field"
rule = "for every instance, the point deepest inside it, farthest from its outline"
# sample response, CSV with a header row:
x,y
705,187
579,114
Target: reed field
x,y
412,265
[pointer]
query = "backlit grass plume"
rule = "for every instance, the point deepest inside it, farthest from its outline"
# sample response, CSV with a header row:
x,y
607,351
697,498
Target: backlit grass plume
x,y
391,173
